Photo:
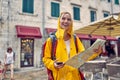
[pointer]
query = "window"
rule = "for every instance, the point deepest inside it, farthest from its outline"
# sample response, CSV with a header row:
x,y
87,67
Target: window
x,y
55,9
117,2
109,0
92,41
105,14
28,6
93,15
27,52
76,13
59,0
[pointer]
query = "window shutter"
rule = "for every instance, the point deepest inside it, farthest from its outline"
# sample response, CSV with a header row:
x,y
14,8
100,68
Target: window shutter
x,y
109,0
117,2
24,6
52,9
105,14
31,6
92,16
28,6
76,13
55,11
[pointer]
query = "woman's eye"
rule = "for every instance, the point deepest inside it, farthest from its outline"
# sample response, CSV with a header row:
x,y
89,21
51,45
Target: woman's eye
x,y
63,18
69,19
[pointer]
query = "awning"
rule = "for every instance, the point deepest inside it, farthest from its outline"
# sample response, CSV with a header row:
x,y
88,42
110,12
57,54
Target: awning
x,y
28,32
83,36
97,37
49,30
108,27
111,38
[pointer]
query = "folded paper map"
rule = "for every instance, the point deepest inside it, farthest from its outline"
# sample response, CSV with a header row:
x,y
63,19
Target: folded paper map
x,y
79,59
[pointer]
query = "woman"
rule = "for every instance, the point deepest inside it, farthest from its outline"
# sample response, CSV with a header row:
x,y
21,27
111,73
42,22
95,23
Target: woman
x,y
1,70
9,61
109,49
65,49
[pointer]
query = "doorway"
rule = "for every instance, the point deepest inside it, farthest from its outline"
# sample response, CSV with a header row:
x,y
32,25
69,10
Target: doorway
x,y
27,52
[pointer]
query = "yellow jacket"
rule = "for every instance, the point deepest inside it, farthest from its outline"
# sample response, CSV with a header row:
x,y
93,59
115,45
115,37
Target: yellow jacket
x,y
66,72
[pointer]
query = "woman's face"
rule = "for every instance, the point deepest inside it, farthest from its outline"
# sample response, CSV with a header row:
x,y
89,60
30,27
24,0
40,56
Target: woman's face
x,y
9,51
65,21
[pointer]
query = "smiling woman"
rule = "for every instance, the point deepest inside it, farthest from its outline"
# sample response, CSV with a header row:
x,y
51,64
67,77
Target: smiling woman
x,y
65,21
65,49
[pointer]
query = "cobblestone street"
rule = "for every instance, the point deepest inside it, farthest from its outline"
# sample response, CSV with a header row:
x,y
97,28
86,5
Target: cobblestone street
x,y
35,74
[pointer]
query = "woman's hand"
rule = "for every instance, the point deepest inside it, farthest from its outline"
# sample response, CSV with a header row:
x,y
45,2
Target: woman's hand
x,y
98,49
58,65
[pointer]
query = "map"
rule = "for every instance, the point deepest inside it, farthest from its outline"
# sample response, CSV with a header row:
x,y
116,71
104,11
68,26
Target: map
x,y
79,59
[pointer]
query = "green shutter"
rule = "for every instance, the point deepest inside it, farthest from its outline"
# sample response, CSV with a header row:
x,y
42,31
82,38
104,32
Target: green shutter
x,y
109,0
92,16
24,7
76,13
117,2
52,9
55,9
105,14
31,6
28,6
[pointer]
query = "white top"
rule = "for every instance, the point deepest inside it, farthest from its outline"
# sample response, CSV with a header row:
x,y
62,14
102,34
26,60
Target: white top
x,y
68,46
9,58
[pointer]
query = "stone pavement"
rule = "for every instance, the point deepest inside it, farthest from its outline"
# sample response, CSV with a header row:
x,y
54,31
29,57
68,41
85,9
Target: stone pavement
x,y
39,74
29,74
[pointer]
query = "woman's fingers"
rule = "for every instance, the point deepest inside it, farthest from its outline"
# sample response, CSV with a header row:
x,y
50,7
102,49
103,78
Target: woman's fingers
x,y
58,64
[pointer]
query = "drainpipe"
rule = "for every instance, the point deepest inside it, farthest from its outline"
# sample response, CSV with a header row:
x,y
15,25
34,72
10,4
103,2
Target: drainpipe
x,y
43,20
1,15
111,7
8,20
43,28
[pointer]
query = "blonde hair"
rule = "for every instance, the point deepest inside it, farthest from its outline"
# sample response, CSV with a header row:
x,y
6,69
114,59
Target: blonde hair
x,y
65,13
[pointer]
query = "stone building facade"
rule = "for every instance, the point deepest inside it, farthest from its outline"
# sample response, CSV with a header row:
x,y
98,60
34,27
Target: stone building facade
x,y
25,31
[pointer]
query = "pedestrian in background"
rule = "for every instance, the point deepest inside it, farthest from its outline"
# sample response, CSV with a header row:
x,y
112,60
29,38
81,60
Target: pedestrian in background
x,y
1,70
9,61
109,49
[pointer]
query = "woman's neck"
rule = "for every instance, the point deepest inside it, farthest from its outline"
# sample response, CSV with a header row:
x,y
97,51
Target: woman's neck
x,y
66,36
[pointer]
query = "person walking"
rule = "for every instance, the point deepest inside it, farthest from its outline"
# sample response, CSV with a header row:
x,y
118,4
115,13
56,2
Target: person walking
x,y
109,49
9,61
1,70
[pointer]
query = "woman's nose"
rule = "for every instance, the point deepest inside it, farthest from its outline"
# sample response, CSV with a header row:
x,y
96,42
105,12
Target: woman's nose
x,y
66,20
